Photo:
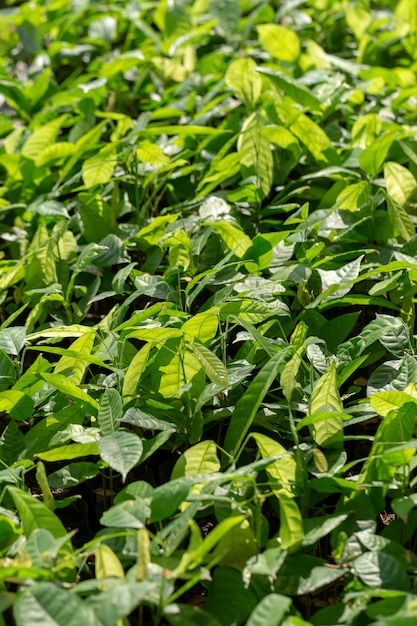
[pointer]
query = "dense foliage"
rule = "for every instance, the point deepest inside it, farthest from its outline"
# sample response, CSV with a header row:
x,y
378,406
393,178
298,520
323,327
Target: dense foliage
x,y
207,302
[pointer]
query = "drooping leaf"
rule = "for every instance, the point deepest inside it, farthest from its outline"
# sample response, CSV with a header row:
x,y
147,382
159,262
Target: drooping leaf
x,y
107,564
121,451
325,396
110,411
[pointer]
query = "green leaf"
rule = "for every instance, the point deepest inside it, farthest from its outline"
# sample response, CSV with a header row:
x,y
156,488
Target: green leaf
x,y
211,364
74,367
400,182
372,158
9,532
46,604
149,152
135,371
99,169
248,405
234,237
301,574
200,458
181,614
288,379
129,514
110,411
70,389
34,514
12,339
17,404
283,471
291,531
309,133
292,88
167,498
228,13
382,571
241,76
121,451
279,41
42,137
174,368
202,326
270,611
256,154
67,453
386,401
228,599
42,480
237,546
107,564
402,223
325,396
73,474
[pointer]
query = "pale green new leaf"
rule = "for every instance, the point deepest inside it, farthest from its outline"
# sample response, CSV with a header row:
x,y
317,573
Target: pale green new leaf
x,y
241,76
70,389
256,155
288,379
281,42
233,236
74,367
202,326
399,181
69,452
135,371
42,137
98,170
199,459
291,529
386,401
401,221
325,397
149,152
283,471
211,364
107,564
308,132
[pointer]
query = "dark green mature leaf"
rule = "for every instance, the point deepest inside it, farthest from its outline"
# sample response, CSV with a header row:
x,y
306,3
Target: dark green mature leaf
x,y
180,614
380,570
248,405
45,603
228,600
270,611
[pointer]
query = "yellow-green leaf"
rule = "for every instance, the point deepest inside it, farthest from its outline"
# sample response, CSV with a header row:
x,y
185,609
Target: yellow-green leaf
x,y
279,41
